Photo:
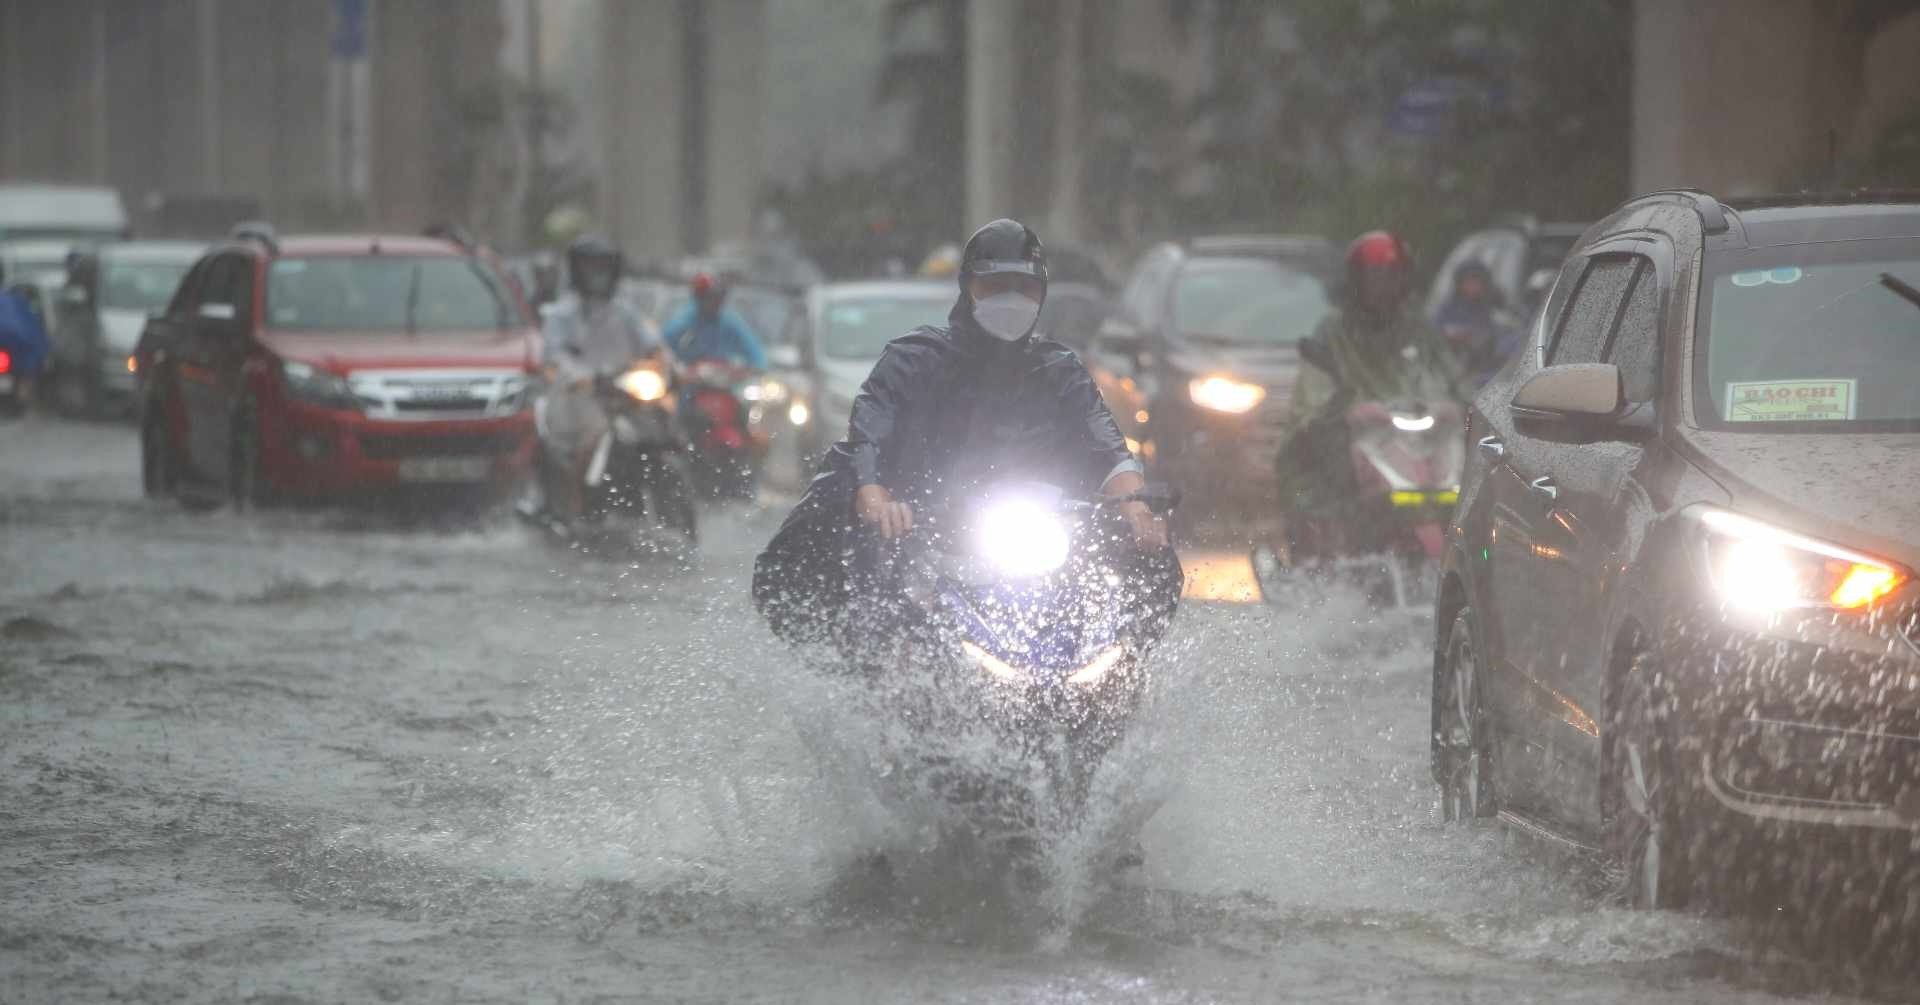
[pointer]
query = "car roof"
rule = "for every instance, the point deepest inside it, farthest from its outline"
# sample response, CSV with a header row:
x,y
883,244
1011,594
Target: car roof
x,y
152,251
365,244
930,288
1260,245
1770,223
36,248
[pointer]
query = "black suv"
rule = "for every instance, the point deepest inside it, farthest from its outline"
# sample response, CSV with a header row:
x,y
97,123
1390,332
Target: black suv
x,y
1198,360
1679,603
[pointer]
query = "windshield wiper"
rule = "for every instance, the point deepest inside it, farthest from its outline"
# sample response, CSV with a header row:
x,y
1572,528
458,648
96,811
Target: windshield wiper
x,y
1901,288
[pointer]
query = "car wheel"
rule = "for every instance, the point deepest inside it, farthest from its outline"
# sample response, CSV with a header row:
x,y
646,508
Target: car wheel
x,y
1643,830
1464,750
246,487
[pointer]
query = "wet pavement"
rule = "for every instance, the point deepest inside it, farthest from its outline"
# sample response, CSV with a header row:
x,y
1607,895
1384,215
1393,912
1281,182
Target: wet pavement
x,y
329,756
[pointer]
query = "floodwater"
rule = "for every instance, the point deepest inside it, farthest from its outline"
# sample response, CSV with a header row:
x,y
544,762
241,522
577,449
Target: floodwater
x,y
320,756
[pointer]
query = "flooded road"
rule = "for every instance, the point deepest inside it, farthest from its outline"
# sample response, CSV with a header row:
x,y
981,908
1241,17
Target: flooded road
x,y
323,756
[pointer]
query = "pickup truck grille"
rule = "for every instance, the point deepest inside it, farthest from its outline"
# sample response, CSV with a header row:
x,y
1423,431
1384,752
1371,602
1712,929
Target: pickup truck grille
x,y
439,394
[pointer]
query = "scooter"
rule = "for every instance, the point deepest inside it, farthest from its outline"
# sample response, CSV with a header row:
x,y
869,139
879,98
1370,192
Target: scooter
x,y
1025,618
638,479
726,453
1406,460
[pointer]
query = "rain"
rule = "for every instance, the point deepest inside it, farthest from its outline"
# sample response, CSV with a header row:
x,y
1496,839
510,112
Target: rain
x,y
959,500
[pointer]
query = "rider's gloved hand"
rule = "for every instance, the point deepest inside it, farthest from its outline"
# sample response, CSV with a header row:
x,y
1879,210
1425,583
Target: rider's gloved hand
x,y
1149,530
875,507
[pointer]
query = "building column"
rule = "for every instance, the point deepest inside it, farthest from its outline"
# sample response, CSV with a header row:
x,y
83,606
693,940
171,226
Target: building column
x,y
735,108
992,75
637,104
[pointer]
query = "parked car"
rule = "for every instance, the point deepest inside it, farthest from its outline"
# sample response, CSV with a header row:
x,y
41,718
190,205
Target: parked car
x,y
97,331
1198,359
317,367
1522,254
840,334
1679,606
65,214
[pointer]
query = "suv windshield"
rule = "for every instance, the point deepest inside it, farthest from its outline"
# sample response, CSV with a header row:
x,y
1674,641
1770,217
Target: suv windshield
x,y
146,286
860,328
1813,337
379,293
1248,300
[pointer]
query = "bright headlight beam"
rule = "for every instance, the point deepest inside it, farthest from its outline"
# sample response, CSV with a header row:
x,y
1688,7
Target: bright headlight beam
x,y
1760,567
1097,668
798,413
1413,423
1224,394
990,663
643,384
1022,538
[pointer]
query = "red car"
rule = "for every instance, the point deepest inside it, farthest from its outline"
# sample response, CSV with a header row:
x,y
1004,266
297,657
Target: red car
x,y
324,367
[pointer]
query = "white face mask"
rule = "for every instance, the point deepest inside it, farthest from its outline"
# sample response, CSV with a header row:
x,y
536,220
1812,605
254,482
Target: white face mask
x,y
1007,316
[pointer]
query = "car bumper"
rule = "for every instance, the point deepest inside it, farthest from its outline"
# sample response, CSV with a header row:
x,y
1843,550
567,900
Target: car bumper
x,y
1808,720
322,452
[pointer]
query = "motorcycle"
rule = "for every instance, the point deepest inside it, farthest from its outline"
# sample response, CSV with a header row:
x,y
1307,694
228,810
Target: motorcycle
x,y
1025,618
1405,461
638,476
726,452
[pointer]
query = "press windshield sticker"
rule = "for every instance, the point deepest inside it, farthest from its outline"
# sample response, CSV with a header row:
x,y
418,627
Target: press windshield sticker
x,y
1790,400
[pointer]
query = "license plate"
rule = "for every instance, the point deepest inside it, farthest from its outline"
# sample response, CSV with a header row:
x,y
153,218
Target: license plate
x,y
6,383
445,469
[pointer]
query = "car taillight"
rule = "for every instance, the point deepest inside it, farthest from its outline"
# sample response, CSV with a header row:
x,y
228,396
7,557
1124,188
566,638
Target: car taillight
x,y
6,361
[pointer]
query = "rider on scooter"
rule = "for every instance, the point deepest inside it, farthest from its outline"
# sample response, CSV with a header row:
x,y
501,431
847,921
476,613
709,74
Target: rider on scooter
x,y
982,392
706,329
1373,350
588,334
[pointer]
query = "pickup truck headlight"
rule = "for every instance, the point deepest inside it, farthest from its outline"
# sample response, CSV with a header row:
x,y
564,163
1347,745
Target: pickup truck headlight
x,y
315,386
1759,567
1225,394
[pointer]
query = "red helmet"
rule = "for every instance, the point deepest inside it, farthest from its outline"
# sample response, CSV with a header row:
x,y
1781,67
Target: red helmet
x,y
701,284
1379,272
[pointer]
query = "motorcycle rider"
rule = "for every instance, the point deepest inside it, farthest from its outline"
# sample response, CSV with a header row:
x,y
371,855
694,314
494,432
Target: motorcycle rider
x,y
1477,324
981,394
1370,351
588,334
706,329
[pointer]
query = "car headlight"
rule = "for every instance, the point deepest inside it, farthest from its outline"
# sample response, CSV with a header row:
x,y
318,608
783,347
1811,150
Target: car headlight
x,y
315,386
1022,538
990,663
1224,394
643,384
1096,668
515,394
1756,566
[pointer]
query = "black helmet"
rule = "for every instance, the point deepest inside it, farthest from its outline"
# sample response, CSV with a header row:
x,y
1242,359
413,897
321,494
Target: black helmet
x,y
592,248
1003,246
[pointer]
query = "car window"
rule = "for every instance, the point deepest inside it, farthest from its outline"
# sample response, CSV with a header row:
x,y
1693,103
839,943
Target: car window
x,y
140,286
1591,312
1248,300
372,293
1810,334
861,328
1635,343
1072,317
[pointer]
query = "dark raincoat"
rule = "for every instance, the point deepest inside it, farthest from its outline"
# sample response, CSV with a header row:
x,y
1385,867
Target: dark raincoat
x,y
946,408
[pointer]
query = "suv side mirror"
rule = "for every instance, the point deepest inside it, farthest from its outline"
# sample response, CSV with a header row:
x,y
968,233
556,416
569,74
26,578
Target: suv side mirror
x,y
1570,391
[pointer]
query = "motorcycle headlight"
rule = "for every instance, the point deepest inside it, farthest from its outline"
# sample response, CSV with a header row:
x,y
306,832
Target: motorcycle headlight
x,y
1022,538
990,663
643,384
799,414
1224,394
1756,566
318,387
1096,668
1412,423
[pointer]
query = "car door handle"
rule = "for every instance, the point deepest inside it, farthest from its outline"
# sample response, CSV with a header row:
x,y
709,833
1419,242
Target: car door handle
x,y
1493,447
1544,488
